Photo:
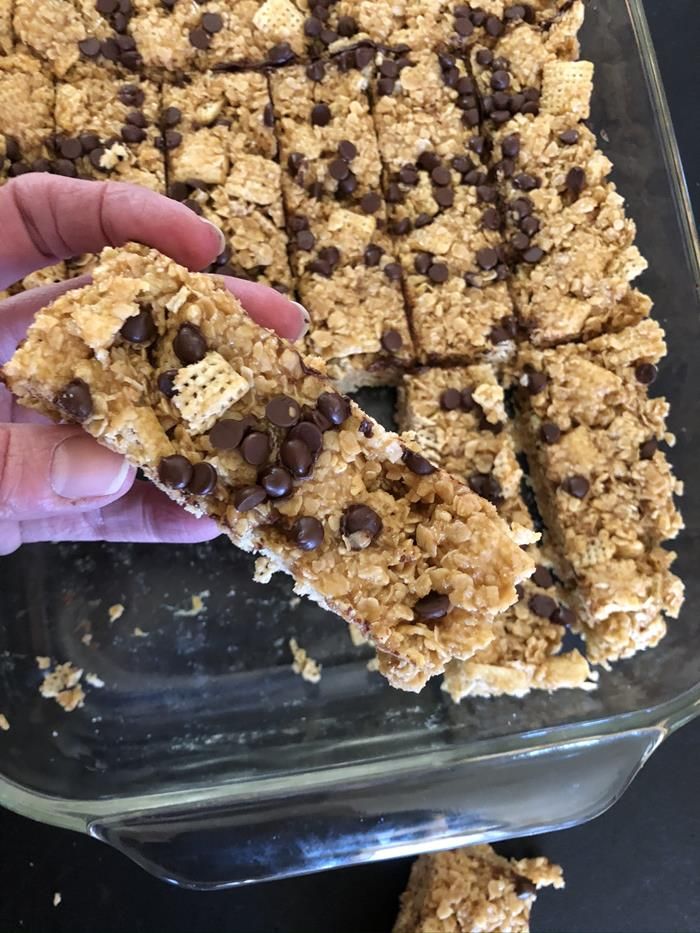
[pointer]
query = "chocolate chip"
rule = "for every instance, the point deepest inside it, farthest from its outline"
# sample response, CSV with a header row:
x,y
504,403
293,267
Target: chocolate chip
x,y
491,219
347,26
282,411
463,26
166,382
70,148
189,344
498,334
536,383
175,471
280,54
347,150
347,186
305,240
438,273
440,176
339,169
422,262
89,47
171,116
575,181
444,196
196,208
228,433
486,194
408,174
360,525
569,137
315,417
525,182
363,56
140,328
515,12
533,255
316,71
330,254
95,158
500,80
370,202
393,271
320,115
543,577
373,255
132,134
276,481
510,147
422,220
307,533
577,486
417,464
484,57
296,456
75,400
246,498
172,139
521,207
313,27
107,7
471,117
530,226
432,607
520,242
89,141
542,606
428,161
450,399
328,36
478,17
648,449
255,448
204,479
310,434
645,373
493,26
550,433
385,87
562,615
487,486
12,150
391,341
199,38
335,407
212,22
487,258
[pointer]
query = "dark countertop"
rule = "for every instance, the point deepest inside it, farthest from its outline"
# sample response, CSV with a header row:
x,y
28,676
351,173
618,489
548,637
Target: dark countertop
x,y
633,869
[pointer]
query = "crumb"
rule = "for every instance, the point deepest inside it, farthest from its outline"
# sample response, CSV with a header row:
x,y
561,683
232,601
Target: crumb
x,y
94,680
304,665
87,638
115,612
197,605
294,602
373,664
139,633
63,685
4,724
43,663
263,570
356,636
57,899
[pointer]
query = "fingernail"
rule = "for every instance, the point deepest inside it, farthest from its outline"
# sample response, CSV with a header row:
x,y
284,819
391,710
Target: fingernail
x,y
307,319
80,468
219,233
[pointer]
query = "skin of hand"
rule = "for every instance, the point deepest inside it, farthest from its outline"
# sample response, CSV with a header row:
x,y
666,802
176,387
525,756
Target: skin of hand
x,y
56,482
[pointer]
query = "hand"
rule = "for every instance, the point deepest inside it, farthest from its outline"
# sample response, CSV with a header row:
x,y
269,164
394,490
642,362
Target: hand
x,y
56,482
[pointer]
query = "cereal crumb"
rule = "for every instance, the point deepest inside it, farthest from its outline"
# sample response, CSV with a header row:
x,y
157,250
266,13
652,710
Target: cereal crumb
x,y
294,602
139,633
43,663
304,665
94,680
264,569
87,638
57,899
356,636
115,612
4,724
197,606
62,684
373,664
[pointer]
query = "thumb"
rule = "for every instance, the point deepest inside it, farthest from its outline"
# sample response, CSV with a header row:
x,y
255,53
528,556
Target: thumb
x,y
53,470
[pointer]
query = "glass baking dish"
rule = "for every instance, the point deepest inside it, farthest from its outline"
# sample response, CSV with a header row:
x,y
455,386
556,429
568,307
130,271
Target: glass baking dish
x,y
207,761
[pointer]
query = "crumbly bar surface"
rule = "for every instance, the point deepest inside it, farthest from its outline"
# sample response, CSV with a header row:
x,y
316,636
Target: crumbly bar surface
x,y
473,890
163,366
108,128
458,417
6,32
26,115
221,152
592,434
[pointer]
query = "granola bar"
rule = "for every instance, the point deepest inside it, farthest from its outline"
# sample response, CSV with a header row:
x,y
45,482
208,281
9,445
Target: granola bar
x,y
26,115
459,420
7,40
221,153
473,890
163,366
109,128
605,489
346,274
46,276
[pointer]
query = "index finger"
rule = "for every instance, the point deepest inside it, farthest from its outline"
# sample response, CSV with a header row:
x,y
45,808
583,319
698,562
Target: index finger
x,y
46,218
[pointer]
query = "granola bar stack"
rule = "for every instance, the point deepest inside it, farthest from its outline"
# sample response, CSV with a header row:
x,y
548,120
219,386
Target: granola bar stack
x,y
421,176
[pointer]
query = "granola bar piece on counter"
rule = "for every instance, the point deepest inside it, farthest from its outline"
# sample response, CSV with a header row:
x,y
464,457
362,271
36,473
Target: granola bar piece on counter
x,y
108,128
26,115
592,435
46,276
473,890
458,418
346,274
164,366
221,154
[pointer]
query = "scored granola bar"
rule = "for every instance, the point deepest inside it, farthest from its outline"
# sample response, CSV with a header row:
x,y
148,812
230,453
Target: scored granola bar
x,y
26,115
342,258
221,153
109,128
605,489
459,420
473,890
163,366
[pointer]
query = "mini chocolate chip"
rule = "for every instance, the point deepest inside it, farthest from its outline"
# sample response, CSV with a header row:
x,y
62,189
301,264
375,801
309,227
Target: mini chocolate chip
x,y
373,255
465,85
486,194
95,158
444,196
370,202
282,411
525,182
562,615
75,400
315,417
172,139
276,481
543,577
255,448
175,471
339,169
246,498
228,433
12,150
360,525
463,26
366,427
491,219
550,432
212,22
280,54
166,382
389,68
521,207
530,226
393,271
189,344
428,161
307,533
89,47
536,383
440,176
268,116
484,57
347,26
438,273
417,464
450,399
510,147
493,26
70,148
487,258
432,607
577,486
422,220
471,117
140,328
487,486
500,80
296,456
520,242
335,407
204,479
408,174
313,27
515,12
310,434
347,186
569,137
575,181
648,449
499,334
316,71
422,262
132,134
305,240
328,36
347,150
533,255
385,87
363,56
330,254
89,141
392,341
171,116
542,605
645,373
394,194
199,38
320,115
107,7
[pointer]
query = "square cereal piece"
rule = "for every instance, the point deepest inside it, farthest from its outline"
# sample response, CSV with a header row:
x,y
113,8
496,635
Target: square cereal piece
x,y
204,391
567,88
